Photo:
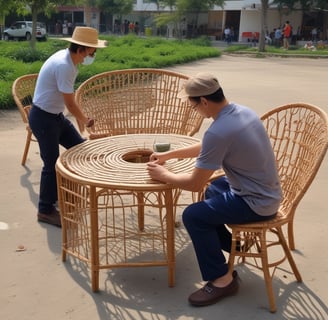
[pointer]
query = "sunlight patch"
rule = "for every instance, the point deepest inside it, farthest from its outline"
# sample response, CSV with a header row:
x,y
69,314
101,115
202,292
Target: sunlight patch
x,y
4,226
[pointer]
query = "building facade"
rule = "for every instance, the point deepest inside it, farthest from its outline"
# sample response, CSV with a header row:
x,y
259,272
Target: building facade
x,y
241,16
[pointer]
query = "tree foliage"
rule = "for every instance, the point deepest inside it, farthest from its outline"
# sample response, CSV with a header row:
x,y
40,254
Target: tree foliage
x,y
118,7
5,7
180,9
303,4
33,7
197,6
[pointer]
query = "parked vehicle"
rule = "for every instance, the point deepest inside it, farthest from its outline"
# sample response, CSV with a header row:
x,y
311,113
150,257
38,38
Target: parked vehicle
x,y
23,30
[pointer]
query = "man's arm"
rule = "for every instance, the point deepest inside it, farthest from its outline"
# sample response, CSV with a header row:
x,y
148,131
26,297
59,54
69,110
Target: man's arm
x,y
75,110
182,153
194,181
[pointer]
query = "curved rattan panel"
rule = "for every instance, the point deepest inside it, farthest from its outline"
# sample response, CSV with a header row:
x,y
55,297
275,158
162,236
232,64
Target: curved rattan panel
x,y
299,136
137,101
22,92
106,161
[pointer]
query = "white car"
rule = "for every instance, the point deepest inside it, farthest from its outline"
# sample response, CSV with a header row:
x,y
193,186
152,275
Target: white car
x,y
23,30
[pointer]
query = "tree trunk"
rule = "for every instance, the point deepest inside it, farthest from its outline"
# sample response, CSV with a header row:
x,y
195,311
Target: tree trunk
x,y
34,25
264,27
325,26
2,23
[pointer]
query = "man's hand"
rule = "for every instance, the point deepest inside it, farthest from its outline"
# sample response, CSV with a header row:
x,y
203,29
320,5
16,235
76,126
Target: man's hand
x,y
156,171
159,157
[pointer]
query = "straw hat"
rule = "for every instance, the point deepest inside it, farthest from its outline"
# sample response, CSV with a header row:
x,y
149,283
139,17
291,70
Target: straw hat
x,y
86,36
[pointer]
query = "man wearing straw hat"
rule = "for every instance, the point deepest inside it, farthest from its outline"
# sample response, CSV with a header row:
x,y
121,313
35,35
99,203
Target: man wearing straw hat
x,y
54,90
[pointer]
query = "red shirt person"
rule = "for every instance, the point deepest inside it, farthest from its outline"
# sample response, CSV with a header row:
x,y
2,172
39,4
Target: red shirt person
x,y
287,33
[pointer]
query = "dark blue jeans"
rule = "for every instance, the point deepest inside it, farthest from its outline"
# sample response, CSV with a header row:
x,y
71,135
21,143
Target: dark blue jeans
x,y
51,130
205,222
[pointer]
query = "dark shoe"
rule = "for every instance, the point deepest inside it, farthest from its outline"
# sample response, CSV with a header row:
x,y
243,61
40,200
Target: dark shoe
x,y
210,294
50,218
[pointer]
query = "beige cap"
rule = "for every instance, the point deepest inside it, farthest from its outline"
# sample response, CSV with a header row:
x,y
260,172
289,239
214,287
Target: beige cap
x,y
203,84
88,37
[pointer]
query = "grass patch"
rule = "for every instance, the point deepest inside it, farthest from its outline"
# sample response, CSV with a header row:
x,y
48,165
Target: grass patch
x,y
16,58
271,50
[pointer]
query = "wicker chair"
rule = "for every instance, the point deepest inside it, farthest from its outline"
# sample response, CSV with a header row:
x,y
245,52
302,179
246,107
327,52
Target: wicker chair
x,y
22,91
299,137
136,101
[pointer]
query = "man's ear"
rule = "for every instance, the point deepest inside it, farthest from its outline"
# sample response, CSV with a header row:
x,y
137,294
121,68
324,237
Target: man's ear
x,y
203,100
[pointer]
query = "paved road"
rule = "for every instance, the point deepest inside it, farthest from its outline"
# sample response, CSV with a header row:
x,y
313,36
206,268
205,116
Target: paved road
x,y
36,285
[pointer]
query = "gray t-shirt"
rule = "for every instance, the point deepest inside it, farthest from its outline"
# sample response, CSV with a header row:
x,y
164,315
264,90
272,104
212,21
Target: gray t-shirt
x,y
57,76
238,143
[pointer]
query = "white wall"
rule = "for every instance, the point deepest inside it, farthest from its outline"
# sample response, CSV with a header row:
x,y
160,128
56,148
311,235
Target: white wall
x,y
250,20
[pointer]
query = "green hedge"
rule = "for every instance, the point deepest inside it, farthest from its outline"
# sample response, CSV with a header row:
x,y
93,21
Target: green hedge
x,y
17,58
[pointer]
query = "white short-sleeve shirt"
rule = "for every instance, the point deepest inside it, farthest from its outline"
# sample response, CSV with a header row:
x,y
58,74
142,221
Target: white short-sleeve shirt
x,y
57,76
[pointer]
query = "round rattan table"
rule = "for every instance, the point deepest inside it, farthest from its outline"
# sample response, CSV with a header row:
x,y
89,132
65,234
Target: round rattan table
x,y
113,213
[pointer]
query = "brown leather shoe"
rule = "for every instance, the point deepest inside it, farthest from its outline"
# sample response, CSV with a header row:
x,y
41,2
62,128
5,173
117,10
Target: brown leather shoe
x,y
210,294
52,218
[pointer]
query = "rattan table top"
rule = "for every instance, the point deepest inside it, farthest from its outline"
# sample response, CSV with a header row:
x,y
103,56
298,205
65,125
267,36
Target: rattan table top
x,y
120,161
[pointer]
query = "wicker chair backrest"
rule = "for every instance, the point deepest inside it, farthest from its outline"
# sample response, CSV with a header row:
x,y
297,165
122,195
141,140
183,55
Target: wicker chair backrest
x,y
137,101
299,137
22,92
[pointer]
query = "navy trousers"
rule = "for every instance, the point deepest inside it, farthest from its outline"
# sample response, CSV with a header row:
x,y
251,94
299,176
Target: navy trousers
x,y
205,222
51,130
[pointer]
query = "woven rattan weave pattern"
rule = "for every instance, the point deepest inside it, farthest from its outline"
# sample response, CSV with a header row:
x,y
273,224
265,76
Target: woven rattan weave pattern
x,y
22,92
109,161
112,214
137,101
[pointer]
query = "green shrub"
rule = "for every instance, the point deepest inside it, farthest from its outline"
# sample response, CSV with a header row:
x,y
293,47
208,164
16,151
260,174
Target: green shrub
x,y
239,47
125,52
28,55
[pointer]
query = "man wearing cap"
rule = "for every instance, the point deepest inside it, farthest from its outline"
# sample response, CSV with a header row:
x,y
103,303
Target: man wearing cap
x,y
54,90
250,191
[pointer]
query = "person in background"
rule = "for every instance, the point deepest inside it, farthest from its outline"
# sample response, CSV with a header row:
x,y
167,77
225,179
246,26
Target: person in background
x,y
232,34
268,39
277,37
237,142
54,90
314,34
287,32
227,35
255,38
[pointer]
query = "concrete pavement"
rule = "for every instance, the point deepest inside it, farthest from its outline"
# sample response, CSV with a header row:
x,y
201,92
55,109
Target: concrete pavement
x,y
36,284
